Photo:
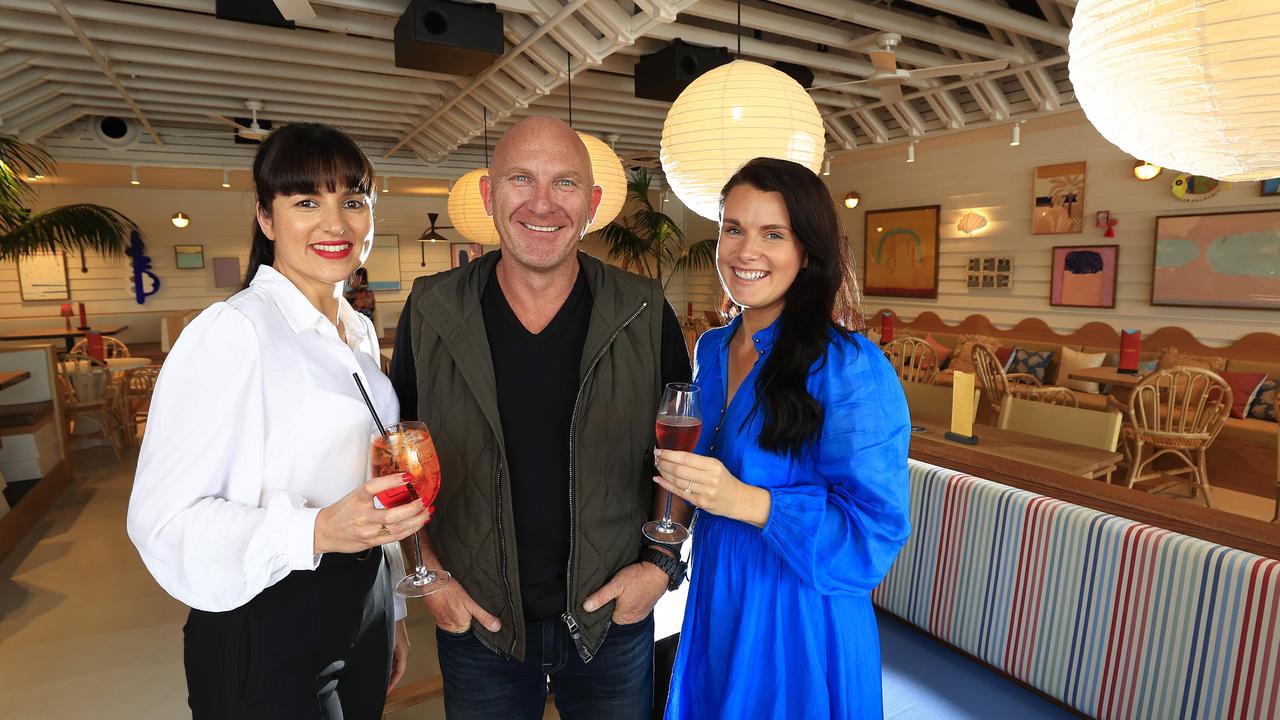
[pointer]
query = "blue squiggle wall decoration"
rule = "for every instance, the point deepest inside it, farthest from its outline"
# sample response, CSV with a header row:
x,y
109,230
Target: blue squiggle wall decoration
x,y
141,268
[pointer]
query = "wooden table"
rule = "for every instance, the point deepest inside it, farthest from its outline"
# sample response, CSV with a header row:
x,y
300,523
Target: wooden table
x,y
1120,384
69,336
1066,457
9,378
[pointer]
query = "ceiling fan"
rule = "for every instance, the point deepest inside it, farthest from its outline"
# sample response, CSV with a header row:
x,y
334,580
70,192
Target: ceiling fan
x,y
888,77
253,132
430,235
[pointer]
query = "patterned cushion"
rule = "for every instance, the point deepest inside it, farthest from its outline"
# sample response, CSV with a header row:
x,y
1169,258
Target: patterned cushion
x,y
1030,361
1263,406
962,358
1173,357
1076,360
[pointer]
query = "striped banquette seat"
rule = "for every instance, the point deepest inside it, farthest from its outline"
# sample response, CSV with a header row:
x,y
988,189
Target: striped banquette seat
x,y
1113,618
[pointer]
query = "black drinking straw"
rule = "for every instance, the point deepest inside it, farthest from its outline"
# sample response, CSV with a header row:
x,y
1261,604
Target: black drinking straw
x,y
367,401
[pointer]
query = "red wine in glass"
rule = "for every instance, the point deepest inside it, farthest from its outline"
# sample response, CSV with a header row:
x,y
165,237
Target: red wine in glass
x,y
679,432
677,428
407,448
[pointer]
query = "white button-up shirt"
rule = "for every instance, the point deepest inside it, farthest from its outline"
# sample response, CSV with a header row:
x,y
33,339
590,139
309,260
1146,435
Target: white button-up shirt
x,y
254,426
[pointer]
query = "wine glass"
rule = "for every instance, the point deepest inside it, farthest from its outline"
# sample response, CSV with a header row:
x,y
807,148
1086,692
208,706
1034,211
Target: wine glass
x,y
407,448
678,426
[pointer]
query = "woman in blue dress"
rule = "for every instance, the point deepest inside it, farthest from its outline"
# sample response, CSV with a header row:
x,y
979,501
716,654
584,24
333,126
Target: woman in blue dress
x,y
799,477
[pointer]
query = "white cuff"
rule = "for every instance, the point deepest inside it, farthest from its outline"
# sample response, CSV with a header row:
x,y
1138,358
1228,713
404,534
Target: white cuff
x,y
302,539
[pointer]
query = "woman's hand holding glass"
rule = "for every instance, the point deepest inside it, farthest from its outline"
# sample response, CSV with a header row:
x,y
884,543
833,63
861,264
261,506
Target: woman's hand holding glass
x,y
354,524
705,482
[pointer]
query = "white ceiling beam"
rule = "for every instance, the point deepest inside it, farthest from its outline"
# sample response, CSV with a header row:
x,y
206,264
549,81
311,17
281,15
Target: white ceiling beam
x,y
12,61
24,80
50,124
41,111
990,77
996,105
1053,12
841,133
871,125
13,104
1013,21
117,23
906,24
1046,92
105,66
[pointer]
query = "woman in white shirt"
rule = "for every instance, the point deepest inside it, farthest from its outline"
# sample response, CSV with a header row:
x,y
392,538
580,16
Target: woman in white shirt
x,y
252,502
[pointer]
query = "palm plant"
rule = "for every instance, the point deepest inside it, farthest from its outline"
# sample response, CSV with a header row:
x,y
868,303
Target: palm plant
x,y
647,240
81,227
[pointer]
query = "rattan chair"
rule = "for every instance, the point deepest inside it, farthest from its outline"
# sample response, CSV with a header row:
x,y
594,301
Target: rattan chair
x,y
112,347
996,384
89,394
135,399
1175,413
913,359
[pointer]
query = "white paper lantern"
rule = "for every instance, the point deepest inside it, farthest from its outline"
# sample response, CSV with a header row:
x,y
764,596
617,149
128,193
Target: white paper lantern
x,y
1186,84
466,209
609,175
728,116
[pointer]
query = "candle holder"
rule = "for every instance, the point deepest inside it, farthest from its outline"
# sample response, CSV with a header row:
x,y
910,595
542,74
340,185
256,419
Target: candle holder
x,y
84,321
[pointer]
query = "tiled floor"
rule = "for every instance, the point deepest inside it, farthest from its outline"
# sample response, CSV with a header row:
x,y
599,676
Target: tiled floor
x,y
86,633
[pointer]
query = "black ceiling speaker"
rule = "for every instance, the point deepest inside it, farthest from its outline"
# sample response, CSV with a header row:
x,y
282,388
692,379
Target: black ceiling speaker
x,y
448,37
799,73
663,74
258,12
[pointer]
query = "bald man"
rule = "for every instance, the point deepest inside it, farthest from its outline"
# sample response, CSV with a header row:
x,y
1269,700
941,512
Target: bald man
x,y
538,370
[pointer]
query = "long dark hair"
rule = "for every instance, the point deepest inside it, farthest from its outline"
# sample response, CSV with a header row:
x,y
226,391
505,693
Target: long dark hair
x,y
823,296
303,158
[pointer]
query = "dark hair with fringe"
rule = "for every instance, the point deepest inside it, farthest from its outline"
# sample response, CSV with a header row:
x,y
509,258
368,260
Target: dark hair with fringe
x,y
824,295
303,158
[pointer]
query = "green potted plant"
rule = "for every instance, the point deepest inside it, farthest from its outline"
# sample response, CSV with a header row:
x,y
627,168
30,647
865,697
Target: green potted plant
x,y
646,240
79,228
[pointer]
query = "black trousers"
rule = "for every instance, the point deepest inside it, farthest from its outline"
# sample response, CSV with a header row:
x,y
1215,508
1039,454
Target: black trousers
x,y
316,645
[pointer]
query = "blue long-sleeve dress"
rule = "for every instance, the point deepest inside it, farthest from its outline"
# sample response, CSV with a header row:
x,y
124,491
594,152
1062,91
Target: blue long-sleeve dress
x,y
779,622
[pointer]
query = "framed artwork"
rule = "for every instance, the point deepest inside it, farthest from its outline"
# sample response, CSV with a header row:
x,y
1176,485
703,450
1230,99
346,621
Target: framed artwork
x,y
462,253
901,252
1058,199
1084,276
226,272
989,272
188,257
1217,260
43,276
1270,187
383,264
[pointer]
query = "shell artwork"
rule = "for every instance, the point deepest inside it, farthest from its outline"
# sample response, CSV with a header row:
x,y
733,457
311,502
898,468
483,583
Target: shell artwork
x,y
1193,188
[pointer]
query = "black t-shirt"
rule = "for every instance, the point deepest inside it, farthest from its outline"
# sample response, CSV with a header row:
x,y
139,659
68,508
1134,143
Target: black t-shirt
x,y
537,379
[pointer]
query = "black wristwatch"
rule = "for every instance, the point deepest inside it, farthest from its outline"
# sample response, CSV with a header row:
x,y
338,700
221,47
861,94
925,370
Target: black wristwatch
x,y
672,566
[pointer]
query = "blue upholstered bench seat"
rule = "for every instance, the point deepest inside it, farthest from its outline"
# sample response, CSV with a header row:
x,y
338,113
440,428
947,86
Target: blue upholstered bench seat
x,y
926,680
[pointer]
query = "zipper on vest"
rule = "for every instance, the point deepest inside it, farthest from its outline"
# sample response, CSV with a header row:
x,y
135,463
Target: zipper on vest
x,y
571,622
502,552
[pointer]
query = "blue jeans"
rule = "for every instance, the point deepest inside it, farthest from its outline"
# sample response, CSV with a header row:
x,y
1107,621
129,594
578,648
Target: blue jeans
x,y
616,684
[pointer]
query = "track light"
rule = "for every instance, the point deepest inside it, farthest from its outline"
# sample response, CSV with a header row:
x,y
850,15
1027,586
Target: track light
x,y
1015,135
852,199
911,152
386,188
826,165
180,220
226,180
133,178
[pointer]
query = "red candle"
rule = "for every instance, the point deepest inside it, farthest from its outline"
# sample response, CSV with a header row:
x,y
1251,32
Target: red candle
x,y
84,322
886,327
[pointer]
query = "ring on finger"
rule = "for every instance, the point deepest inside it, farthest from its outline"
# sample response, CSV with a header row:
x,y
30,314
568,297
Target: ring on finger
x,y
383,531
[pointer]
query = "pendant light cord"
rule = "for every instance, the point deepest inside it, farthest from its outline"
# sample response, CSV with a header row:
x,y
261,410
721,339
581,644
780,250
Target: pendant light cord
x,y
485,109
738,31
568,73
